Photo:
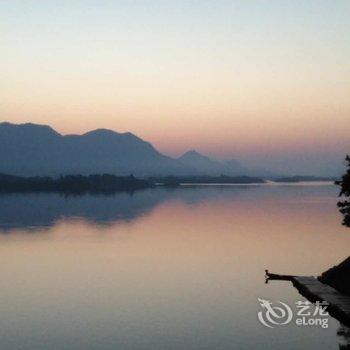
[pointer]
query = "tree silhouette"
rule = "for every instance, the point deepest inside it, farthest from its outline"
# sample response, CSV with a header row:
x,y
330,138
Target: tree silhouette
x,y
344,205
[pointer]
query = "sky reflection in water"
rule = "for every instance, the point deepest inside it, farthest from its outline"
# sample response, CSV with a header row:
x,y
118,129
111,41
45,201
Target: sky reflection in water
x,y
163,268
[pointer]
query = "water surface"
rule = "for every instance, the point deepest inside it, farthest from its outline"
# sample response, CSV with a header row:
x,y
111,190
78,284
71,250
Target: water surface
x,y
163,268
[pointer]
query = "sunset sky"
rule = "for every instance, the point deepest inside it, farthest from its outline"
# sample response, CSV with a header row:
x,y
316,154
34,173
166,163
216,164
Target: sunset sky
x,y
265,82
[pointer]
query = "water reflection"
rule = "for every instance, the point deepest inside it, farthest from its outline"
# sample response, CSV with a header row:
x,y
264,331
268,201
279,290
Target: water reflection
x,y
40,211
31,212
162,268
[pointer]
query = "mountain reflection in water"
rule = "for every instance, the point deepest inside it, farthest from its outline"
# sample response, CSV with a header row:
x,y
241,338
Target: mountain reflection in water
x,y
42,211
163,268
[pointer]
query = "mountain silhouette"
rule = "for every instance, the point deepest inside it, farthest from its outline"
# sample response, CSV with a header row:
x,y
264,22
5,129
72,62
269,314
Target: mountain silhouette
x,y
38,150
31,149
205,165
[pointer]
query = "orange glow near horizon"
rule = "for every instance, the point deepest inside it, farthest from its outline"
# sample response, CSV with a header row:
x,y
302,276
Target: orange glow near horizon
x,y
240,79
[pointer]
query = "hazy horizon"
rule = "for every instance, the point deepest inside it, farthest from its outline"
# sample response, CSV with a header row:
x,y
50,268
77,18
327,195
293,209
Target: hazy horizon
x,y
264,82
253,166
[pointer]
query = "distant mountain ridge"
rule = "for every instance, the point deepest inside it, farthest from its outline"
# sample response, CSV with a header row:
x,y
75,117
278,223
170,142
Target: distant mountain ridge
x,y
31,149
38,150
213,167
206,165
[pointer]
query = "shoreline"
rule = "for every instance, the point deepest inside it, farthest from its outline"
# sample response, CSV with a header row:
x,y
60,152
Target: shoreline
x,y
313,290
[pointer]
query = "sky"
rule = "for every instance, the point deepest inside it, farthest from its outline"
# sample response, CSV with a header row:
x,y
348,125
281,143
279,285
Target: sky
x,y
264,82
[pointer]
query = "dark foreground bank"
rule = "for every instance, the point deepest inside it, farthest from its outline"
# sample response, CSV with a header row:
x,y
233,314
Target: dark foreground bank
x,y
338,277
333,286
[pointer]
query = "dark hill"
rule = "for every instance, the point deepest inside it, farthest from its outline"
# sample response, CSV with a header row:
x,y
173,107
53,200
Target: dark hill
x,y
207,166
30,150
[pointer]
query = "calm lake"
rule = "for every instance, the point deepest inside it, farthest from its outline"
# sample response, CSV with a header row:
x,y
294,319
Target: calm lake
x,y
163,268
